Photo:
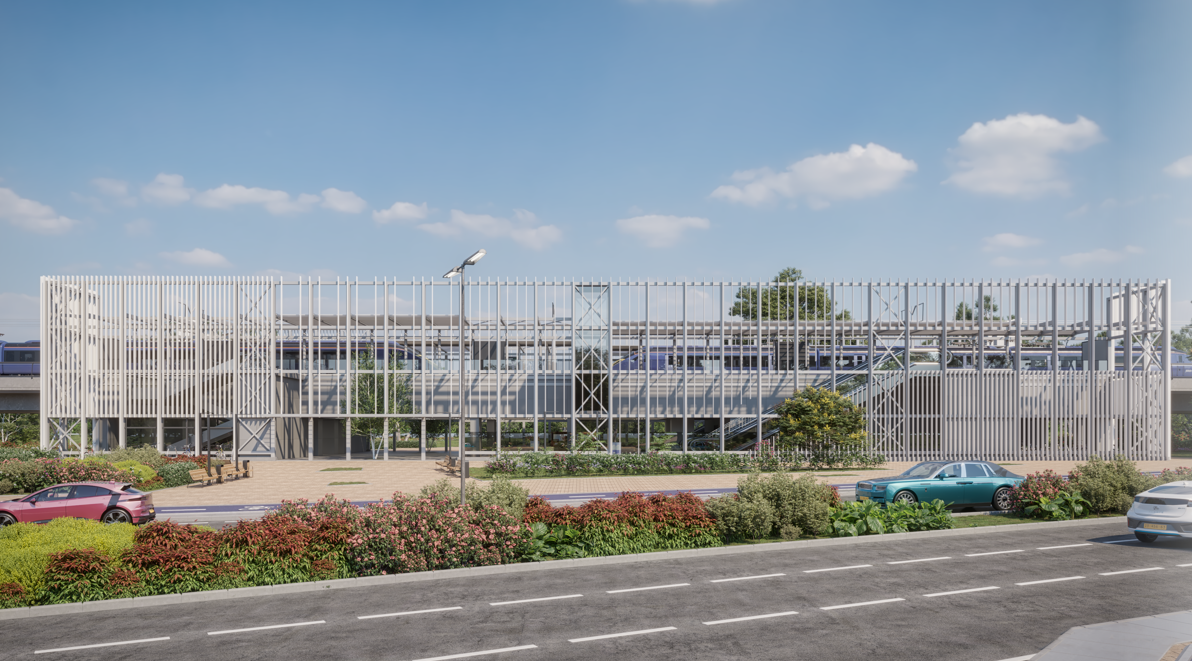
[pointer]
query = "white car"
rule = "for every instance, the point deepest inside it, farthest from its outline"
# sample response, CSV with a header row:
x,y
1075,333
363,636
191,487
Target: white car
x,y
1162,511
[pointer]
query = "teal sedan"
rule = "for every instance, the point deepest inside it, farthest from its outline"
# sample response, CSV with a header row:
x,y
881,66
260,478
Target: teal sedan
x,y
958,483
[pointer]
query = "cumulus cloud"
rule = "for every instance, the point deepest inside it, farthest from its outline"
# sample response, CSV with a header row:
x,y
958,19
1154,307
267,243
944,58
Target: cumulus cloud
x,y
198,257
1099,256
168,189
344,201
1181,168
1015,156
31,215
658,231
858,172
1007,240
525,228
115,189
275,202
401,211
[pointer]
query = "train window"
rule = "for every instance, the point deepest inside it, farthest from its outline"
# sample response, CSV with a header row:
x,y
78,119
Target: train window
x,y
18,356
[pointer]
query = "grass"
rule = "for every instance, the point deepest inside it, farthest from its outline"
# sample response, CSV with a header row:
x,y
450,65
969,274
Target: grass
x,y
341,469
336,484
1007,519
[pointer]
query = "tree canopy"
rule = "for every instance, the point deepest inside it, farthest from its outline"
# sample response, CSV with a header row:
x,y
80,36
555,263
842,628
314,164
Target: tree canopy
x,y
781,301
817,419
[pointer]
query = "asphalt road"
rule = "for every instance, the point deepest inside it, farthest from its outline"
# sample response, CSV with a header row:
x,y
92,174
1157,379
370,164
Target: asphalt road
x,y
813,599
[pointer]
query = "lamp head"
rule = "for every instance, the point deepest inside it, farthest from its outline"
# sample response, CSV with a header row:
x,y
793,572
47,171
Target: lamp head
x,y
476,257
453,272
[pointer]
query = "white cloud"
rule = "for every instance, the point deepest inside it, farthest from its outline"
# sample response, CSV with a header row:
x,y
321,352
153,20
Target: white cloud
x,y
198,257
658,231
344,201
138,227
1015,156
167,189
401,211
275,202
858,172
1007,240
1099,256
524,229
1181,168
32,216
112,187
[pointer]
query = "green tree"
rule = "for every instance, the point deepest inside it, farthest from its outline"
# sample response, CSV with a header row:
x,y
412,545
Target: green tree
x,y
988,306
817,419
1182,340
19,429
368,394
779,302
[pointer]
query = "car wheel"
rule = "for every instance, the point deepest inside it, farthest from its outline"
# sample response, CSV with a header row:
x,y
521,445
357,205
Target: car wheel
x,y
907,497
6,519
1001,499
116,515
1146,538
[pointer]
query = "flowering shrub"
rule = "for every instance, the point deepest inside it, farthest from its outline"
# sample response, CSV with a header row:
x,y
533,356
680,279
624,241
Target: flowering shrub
x,y
37,474
1109,486
1045,484
551,464
1175,474
633,523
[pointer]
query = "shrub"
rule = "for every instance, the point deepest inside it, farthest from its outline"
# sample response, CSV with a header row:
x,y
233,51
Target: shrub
x,y
143,472
177,474
633,523
868,518
14,595
1064,507
7,486
1047,484
25,548
548,464
25,453
804,502
147,455
739,519
819,421
790,533
502,493
37,474
1109,486
422,534
1183,473
554,543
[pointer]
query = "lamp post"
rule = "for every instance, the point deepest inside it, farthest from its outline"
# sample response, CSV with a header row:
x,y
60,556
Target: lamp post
x,y
463,398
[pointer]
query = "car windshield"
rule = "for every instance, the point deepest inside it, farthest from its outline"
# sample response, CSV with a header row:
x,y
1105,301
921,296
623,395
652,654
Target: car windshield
x,y
926,469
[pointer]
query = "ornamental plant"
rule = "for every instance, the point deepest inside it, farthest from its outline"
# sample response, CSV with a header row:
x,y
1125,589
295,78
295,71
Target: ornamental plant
x,y
1046,484
820,423
1064,507
34,474
1110,486
633,523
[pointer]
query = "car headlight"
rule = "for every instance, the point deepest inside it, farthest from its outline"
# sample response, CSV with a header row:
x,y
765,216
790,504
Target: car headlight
x,y
879,487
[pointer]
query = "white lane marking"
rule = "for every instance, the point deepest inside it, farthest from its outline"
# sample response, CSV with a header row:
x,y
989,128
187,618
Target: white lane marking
x,y
1049,548
745,578
1120,541
974,555
752,617
480,653
1187,565
172,511
1129,571
903,562
526,601
429,610
944,594
652,587
863,603
87,647
1051,580
274,626
1028,657
618,635
813,571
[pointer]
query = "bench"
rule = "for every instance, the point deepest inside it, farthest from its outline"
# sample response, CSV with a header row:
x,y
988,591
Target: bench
x,y
230,470
201,475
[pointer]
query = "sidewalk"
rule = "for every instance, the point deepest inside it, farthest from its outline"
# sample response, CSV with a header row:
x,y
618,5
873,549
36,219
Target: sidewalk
x,y
274,481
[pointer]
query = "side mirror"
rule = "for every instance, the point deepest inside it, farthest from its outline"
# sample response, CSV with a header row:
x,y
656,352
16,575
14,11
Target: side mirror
x,y
941,476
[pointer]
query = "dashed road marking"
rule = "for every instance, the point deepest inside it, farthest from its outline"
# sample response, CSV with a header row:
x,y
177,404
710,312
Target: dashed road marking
x,y
815,571
974,555
905,562
863,603
752,617
526,601
429,610
616,635
944,594
652,587
480,653
1051,580
1065,546
272,626
87,647
745,578
1129,571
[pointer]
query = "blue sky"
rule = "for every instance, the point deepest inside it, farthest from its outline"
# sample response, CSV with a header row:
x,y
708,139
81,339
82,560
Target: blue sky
x,y
610,139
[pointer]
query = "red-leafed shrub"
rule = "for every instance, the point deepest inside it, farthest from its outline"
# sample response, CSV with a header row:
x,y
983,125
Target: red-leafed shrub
x,y
13,595
632,522
81,575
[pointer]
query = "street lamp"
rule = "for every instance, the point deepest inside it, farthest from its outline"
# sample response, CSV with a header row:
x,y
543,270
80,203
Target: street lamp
x,y
463,399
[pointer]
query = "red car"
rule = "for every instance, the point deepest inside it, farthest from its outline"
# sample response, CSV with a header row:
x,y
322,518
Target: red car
x,y
110,502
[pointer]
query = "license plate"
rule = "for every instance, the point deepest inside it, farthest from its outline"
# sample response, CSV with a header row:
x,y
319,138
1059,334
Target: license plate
x,y
1155,526
862,497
